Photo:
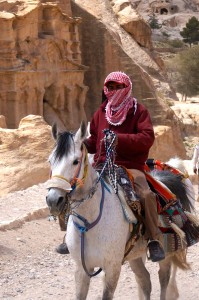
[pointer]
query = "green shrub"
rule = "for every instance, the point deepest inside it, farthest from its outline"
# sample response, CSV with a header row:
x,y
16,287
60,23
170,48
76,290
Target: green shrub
x,y
190,33
153,22
176,43
182,71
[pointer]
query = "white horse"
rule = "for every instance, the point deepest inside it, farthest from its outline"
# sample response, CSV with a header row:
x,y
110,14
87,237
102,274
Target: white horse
x,y
178,163
97,231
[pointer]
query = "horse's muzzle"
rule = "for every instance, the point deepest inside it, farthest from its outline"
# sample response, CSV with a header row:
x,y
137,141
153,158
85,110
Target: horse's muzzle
x,y
56,201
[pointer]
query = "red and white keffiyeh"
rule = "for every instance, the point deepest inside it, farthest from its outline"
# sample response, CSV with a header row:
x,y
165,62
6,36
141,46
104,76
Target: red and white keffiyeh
x,y
119,101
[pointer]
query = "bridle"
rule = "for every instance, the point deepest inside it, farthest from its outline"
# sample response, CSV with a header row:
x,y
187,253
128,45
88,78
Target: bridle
x,y
76,181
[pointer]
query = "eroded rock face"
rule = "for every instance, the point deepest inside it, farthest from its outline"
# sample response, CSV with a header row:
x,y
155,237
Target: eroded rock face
x,y
115,49
3,122
40,62
189,116
132,22
167,144
166,7
24,154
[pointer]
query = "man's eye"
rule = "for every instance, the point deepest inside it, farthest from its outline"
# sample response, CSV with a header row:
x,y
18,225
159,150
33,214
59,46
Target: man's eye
x,y
111,88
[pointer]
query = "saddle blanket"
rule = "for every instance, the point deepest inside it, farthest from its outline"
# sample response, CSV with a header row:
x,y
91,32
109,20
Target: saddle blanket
x,y
178,231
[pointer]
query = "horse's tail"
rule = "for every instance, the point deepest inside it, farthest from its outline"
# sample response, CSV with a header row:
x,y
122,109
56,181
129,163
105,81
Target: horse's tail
x,y
179,259
176,185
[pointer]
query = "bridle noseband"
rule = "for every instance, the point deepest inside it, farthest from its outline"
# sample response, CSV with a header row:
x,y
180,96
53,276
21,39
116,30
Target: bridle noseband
x,y
76,181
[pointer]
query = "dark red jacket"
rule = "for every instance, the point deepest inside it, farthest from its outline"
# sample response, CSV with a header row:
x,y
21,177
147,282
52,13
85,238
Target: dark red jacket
x,y
135,137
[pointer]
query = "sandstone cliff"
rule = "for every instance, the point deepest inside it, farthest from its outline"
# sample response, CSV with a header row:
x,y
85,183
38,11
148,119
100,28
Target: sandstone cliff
x,y
40,62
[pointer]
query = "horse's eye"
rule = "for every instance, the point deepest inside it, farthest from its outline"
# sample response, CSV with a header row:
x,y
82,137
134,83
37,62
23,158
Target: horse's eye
x,y
75,162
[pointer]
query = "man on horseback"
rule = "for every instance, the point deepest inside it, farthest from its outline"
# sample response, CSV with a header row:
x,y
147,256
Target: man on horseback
x,y
131,122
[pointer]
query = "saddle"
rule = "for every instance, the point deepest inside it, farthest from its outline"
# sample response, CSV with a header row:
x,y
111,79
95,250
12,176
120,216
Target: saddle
x,y
152,164
179,228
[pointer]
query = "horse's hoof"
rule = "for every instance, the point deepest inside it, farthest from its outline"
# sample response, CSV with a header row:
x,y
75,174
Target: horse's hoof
x,y
156,252
62,249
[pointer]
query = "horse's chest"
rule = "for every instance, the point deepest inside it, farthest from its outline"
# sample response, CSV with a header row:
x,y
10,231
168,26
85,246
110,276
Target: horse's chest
x,y
104,239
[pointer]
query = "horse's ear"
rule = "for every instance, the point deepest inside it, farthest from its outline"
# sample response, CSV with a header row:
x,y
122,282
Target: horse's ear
x,y
83,128
81,133
54,131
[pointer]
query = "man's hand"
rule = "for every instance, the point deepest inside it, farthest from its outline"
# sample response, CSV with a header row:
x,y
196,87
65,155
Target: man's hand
x,y
110,137
114,140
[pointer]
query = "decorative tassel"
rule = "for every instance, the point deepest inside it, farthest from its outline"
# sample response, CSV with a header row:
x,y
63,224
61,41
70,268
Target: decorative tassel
x,y
192,232
135,206
192,218
79,181
179,232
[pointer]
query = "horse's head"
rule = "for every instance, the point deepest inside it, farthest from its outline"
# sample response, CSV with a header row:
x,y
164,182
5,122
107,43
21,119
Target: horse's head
x,y
67,162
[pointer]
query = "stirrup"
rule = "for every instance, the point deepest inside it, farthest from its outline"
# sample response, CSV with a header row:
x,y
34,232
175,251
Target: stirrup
x,y
62,248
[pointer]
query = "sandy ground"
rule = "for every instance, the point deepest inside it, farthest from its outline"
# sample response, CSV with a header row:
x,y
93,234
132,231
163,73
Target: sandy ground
x,y
31,269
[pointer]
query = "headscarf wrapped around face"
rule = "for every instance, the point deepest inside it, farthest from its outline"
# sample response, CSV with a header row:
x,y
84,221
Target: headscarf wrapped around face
x,y
119,101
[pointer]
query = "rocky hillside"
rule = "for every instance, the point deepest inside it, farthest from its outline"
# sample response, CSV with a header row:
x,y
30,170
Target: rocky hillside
x,y
122,40
172,15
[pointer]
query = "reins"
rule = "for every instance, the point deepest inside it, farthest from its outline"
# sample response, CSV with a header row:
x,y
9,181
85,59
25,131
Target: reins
x,y
87,226
110,143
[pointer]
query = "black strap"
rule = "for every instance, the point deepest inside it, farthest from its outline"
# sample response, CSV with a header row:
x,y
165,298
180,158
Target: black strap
x,y
83,260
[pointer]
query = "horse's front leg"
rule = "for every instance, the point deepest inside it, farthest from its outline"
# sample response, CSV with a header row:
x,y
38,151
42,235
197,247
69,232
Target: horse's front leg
x,y
142,277
164,276
172,289
82,282
112,273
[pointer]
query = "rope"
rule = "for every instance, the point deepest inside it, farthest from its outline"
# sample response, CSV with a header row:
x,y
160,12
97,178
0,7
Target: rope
x,y
87,226
110,140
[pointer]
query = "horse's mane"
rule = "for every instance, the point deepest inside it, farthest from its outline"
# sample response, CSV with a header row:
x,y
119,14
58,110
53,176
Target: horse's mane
x,y
63,144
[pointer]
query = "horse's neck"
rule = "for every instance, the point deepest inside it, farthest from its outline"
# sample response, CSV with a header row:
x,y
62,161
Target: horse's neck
x,y
89,182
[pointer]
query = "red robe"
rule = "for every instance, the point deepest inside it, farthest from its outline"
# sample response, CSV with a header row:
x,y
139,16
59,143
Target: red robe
x,y
135,137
